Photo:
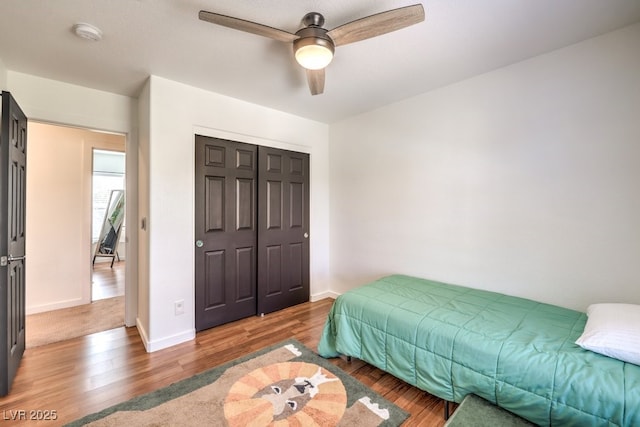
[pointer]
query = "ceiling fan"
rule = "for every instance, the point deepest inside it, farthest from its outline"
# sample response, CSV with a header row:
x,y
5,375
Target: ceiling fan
x,y
314,46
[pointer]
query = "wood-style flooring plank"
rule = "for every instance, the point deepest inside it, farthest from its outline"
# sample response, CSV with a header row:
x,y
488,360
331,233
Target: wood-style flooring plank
x,y
87,374
107,282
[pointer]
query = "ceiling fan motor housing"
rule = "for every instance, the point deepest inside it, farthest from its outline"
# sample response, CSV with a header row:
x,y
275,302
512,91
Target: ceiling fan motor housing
x,y
313,19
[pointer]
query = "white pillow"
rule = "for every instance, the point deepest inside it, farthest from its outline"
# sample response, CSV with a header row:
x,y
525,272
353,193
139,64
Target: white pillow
x,y
613,330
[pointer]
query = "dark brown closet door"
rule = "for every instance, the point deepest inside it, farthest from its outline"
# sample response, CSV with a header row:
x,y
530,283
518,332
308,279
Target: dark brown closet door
x,y
283,229
225,231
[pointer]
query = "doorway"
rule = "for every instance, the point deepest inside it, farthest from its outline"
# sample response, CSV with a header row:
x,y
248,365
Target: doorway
x,y
108,180
59,218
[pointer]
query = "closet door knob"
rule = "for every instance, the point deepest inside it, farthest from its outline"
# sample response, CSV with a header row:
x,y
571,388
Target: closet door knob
x,y
306,235
199,243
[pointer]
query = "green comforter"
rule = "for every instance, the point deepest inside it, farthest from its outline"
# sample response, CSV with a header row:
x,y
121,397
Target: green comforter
x,y
451,341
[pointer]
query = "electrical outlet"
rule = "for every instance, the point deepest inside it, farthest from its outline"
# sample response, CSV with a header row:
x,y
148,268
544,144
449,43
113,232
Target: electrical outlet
x,y
178,307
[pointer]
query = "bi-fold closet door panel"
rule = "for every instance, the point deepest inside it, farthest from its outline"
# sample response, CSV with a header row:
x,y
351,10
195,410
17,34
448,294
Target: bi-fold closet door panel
x,y
251,230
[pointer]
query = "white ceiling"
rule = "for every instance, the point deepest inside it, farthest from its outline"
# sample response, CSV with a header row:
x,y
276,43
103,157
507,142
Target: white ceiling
x,y
459,39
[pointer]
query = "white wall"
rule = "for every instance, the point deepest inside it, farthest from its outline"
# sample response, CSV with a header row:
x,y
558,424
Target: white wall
x,y
177,113
57,102
3,76
63,103
525,180
58,245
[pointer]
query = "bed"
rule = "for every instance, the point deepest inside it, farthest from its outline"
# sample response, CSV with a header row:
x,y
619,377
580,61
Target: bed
x,y
452,341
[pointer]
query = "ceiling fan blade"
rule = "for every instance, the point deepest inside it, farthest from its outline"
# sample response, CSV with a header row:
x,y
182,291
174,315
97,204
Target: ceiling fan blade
x,y
315,78
376,25
247,26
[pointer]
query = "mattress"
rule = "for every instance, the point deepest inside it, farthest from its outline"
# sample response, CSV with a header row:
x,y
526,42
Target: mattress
x,y
452,341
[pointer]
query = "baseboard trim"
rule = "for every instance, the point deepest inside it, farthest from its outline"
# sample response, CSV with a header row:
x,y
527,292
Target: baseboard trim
x,y
143,334
55,306
165,342
323,295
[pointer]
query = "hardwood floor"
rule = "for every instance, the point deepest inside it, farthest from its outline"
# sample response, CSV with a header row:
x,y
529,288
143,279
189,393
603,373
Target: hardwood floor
x,y
87,374
107,282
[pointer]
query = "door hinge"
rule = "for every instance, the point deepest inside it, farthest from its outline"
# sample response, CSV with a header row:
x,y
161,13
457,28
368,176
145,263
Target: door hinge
x,y
5,260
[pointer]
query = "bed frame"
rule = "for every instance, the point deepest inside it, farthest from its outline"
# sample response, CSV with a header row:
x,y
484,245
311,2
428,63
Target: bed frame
x,y
452,341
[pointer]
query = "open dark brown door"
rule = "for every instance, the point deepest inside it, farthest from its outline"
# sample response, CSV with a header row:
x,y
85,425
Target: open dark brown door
x,y
13,150
225,231
283,229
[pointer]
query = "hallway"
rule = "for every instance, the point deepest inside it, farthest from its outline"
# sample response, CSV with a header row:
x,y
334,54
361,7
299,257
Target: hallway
x,y
107,282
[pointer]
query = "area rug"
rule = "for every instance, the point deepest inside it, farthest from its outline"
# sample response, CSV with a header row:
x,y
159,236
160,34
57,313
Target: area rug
x,y
283,385
59,325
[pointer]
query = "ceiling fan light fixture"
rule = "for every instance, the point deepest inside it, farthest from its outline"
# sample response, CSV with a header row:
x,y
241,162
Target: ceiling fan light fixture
x,y
314,56
313,49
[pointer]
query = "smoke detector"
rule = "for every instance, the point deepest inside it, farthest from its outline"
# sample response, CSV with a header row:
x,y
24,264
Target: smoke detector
x,y
87,31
